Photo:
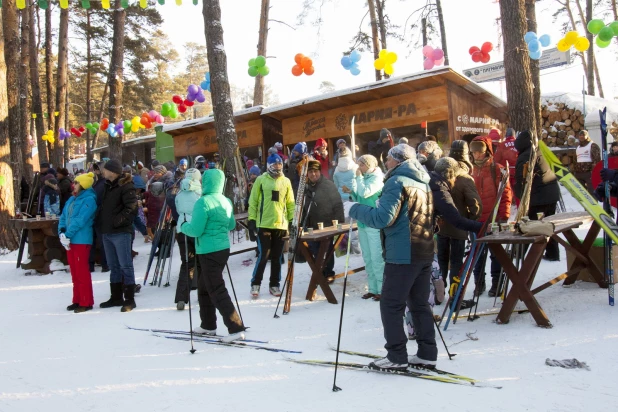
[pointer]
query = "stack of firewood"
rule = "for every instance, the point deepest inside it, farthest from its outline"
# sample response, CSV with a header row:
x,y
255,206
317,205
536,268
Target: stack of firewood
x,y
561,124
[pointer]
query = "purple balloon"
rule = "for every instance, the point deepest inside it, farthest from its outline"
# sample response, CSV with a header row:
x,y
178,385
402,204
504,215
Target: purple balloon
x,y
200,97
192,90
428,64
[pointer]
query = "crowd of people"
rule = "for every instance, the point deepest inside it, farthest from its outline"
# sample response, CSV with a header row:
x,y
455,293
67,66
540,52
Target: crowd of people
x,y
413,206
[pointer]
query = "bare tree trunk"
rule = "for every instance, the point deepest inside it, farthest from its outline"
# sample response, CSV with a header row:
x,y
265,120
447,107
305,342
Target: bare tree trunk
x,y
424,31
374,34
24,114
380,9
258,90
520,100
221,101
9,238
101,112
534,66
88,86
49,78
598,78
66,144
61,84
115,79
37,103
589,36
442,30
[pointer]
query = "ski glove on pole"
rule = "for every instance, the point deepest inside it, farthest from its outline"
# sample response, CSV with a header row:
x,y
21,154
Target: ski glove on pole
x,y
252,231
607,174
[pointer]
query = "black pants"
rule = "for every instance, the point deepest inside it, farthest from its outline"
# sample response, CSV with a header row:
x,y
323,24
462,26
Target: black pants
x,y
314,248
270,247
451,251
182,290
407,284
97,243
552,251
479,268
212,293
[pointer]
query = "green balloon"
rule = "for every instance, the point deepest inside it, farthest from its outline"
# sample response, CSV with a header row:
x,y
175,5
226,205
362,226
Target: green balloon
x,y
96,125
606,34
602,44
614,27
263,71
252,62
253,71
595,26
260,61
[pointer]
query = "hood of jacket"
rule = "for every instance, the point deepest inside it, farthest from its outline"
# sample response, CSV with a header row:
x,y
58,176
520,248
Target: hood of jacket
x,y
411,169
188,184
523,141
213,181
487,141
123,179
85,194
437,182
345,163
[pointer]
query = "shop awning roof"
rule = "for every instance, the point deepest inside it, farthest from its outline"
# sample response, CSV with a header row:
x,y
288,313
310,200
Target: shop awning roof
x,y
205,123
130,142
378,90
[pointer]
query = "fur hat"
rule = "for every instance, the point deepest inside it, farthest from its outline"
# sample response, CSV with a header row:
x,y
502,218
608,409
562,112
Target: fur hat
x,y
430,146
314,165
86,180
402,152
460,152
114,166
447,167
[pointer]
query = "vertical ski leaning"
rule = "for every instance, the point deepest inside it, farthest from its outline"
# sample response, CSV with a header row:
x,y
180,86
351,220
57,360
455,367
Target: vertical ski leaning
x,y
608,255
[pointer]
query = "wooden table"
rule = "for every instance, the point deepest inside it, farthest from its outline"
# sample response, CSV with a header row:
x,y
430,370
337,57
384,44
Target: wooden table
x,y
317,264
43,243
241,218
523,278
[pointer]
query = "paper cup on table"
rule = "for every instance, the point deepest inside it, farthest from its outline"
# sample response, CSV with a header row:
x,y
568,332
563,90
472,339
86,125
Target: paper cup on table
x,y
320,226
24,217
540,215
335,223
38,217
310,230
339,226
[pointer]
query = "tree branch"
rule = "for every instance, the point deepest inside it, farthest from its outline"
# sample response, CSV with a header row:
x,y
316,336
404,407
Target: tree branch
x,y
282,22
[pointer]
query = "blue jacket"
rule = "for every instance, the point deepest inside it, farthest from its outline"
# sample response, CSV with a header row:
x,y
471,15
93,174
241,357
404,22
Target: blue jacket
x,y
78,217
404,213
344,175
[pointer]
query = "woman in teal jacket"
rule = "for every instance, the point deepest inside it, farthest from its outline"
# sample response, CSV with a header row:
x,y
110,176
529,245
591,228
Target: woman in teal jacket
x,y
75,228
366,190
212,219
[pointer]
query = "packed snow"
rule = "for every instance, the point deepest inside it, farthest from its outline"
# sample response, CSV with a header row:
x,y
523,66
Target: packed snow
x,y
53,360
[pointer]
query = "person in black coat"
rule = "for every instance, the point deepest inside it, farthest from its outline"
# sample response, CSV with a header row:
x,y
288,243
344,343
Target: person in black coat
x,y
65,185
545,192
97,244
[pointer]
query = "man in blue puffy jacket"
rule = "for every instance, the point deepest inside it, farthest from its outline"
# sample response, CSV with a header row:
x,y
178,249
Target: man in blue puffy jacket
x,y
404,213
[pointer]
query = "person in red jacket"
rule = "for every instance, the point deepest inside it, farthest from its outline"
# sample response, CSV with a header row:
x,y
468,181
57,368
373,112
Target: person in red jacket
x,y
506,153
494,136
320,153
487,173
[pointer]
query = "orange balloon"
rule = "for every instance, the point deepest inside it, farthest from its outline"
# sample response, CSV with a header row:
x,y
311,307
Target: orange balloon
x,y
104,124
297,70
309,71
298,58
306,63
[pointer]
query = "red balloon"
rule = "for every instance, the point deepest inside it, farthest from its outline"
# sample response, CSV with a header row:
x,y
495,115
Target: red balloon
x,y
297,70
145,120
485,57
298,58
76,132
177,99
477,56
188,103
487,47
473,50
82,129
182,108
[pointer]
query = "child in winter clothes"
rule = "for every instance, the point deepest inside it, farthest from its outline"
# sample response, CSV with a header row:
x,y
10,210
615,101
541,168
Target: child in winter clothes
x,y
345,173
153,199
298,159
320,153
51,197
213,218
254,173
76,235
366,190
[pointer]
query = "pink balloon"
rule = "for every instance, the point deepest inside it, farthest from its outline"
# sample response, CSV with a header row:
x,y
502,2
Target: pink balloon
x,y
428,64
428,51
439,62
437,54
159,119
153,115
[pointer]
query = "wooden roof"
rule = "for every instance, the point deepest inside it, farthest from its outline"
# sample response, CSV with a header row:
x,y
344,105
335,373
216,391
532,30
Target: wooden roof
x,y
208,122
383,89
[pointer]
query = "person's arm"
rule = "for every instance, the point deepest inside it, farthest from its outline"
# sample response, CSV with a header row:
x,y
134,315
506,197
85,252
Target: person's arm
x,y
232,222
199,219
387,210
254,198
83,217
595,153
62,223
129,203
366,187
472,199
445,207
289,204
504,210
337,203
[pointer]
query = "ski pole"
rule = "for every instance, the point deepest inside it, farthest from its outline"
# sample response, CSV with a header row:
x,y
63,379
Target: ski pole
x,y
450,355
345,283
169,267
511,252
234,291
189,292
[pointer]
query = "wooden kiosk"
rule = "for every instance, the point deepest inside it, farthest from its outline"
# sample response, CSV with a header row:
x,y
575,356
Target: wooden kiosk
x,y
439,102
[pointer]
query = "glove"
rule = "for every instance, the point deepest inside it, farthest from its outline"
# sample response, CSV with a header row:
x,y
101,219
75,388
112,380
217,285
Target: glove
x,y
252,231
599,192
65,241
346,208
607,174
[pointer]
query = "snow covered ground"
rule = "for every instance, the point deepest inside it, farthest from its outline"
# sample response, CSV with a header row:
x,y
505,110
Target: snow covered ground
x,y
53,360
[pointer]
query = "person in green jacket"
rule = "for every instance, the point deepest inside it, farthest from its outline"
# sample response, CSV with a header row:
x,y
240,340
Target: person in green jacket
x,y
366,190
212,219
271,209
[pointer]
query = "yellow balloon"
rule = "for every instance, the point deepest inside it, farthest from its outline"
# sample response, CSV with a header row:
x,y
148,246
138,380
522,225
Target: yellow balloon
x,y
571,37
64,4
388,69
378,64
44,137
383,54
105,4
143,3
179,2
391,57
21,4
582,44
562,45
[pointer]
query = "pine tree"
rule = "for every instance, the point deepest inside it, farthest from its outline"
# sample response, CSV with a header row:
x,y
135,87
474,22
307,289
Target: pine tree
x,y
37,103
115,78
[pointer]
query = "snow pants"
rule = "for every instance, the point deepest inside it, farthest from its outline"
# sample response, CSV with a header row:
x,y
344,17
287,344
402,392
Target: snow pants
x,y
450,252
78,257
182,287
371,246
213,295
552,251
407,284
270,247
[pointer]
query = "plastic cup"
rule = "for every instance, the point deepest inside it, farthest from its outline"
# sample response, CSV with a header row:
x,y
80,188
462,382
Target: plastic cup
x,y
512,227
335,223
24,217
320,226
310,230
53,216
38,217
540,215
504,227
339,226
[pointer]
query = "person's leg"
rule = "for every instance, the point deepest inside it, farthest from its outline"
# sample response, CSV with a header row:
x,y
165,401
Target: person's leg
x,y
104,264
552,252
214,264
276,256
422,315
73,270
194,263
93,251
83,276
496,269
264,248
377,256
125,260
182,290
458,251
109,244
330,264
479,272
208,314
444,252
367,255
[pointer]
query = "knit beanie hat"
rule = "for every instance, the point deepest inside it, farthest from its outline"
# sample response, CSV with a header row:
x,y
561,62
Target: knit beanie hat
x,y
510,132
114,166
154,163
279,145
272,150
448,168
160,169
403,140
368,160
183,162
193,174
86,180
384,133
254,171
402,152
340,141
126,169
300,148
430,147
272,160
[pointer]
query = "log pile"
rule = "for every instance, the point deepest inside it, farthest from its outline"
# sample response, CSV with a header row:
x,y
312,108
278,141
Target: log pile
x,y
561,124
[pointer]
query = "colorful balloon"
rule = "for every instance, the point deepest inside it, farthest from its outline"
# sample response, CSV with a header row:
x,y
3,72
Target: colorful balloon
x,y
606,34
528,37
602,44
545,40
428,51
563,46
428,63
582,44
595,26
571,37
355,56
487,47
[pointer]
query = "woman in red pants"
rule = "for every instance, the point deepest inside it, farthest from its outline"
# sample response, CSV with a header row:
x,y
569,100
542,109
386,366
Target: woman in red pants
x,y
75,230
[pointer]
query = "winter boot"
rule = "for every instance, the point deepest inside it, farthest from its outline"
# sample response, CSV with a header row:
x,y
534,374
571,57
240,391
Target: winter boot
x,y
384,364
180,305
275,291
129,299
116,298
415,361
73,306
480,288
495,288
233,337
201,331
82,309
255,291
